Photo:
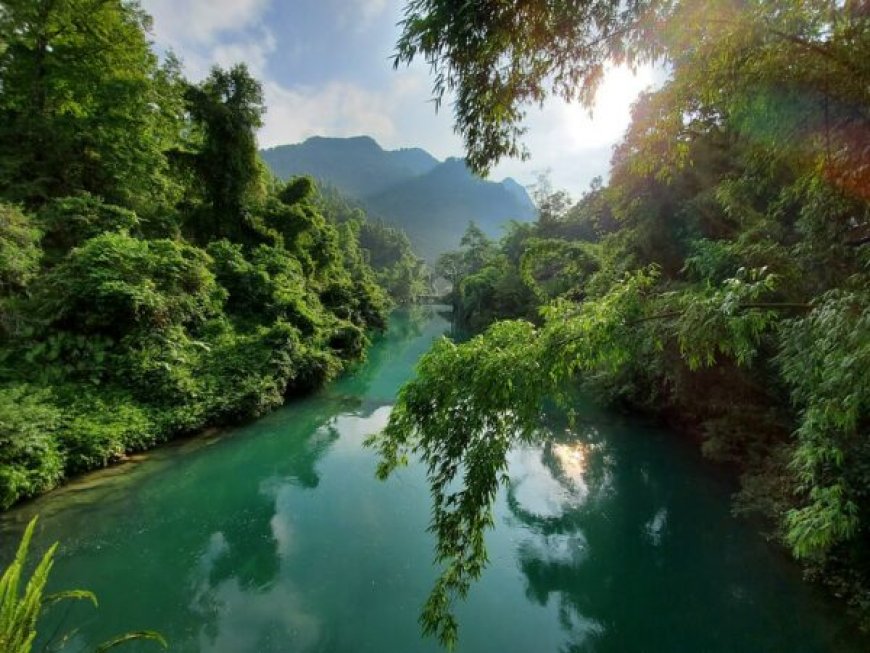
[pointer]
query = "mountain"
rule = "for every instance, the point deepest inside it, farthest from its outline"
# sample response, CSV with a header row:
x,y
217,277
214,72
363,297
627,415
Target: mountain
x,y
434,208
432,201
358,166
519,192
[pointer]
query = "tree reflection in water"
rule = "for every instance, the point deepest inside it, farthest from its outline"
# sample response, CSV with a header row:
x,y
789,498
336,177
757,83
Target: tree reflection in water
x,y
630,536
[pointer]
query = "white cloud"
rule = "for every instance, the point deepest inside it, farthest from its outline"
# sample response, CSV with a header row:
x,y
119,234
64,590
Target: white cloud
x,y
398,115
197,22
573,145
359,15
370,10
561,137
216,32
334,109
255,53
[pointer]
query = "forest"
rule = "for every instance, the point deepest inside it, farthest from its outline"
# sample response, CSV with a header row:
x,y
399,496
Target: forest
x,y
719,279
154,278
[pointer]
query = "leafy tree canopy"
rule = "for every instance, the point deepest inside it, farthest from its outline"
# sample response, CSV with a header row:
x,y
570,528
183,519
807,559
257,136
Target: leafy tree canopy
x,y
154,278
494,58
720,275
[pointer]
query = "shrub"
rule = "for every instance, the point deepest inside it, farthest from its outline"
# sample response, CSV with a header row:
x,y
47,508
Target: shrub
x,y
116,284
69,221
30,460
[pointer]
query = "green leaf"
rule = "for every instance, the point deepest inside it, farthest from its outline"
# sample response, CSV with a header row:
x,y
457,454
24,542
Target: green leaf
x,y
140,635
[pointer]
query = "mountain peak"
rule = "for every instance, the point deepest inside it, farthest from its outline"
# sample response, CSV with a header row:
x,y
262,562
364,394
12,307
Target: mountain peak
x,y
350,142
518,191
455,162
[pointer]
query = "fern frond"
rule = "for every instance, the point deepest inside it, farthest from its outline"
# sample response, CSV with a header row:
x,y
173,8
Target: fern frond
x,y
129,637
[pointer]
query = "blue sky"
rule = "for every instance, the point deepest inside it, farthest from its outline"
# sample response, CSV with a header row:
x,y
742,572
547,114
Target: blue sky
x,y
326,70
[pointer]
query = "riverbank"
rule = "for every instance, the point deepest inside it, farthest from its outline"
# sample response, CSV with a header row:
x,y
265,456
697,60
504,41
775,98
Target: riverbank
x,y
107,469
55,431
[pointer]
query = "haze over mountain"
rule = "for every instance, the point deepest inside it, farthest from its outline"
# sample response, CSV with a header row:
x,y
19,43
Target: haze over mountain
x,y
432,200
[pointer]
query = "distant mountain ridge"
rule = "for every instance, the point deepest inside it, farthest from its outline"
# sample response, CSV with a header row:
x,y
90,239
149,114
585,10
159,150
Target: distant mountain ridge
x,y
432,200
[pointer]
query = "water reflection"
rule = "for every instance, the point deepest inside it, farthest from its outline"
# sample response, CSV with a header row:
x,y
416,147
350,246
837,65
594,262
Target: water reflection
x,y
571,459
237,616
635,549
552,485
252,589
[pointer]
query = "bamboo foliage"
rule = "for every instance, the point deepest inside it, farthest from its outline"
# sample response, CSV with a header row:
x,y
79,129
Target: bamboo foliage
x,y
20,611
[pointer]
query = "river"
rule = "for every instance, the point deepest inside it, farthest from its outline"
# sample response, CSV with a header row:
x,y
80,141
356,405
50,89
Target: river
x,y
276,537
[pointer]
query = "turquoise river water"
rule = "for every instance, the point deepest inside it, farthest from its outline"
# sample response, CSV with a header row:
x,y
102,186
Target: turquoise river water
x,y
276,537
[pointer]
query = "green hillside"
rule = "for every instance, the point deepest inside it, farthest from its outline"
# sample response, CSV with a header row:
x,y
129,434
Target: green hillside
x,y
432,201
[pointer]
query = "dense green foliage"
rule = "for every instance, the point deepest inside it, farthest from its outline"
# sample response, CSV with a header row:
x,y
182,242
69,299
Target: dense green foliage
x,y
719,279
386,248
20,611
154,279
85,104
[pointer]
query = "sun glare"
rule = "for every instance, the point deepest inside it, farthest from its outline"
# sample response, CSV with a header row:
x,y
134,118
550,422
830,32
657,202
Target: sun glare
x,y
572,459
612,110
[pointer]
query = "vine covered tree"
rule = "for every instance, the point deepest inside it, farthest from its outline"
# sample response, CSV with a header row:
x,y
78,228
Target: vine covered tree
x,y
227,108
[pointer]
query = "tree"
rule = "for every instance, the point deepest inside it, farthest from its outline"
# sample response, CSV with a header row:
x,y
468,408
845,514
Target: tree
x,y
69,221
227,107
552,205
119,285
451,266
20,256
725,265
477,248
500,57
19,250
84,105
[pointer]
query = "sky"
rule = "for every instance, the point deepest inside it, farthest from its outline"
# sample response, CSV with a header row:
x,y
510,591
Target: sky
x,y
326,70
